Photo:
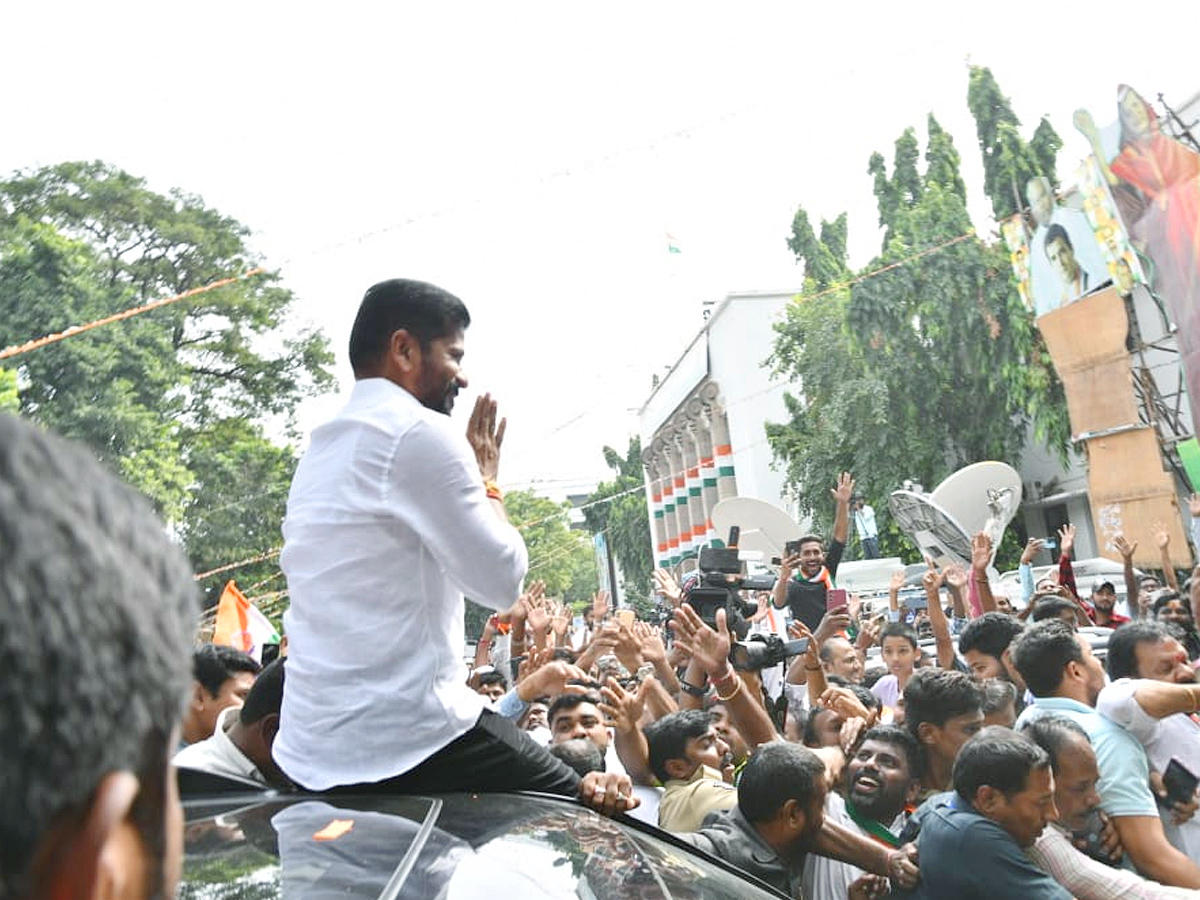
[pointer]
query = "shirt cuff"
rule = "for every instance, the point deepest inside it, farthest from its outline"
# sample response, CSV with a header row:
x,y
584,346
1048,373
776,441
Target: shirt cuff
x,y
510,705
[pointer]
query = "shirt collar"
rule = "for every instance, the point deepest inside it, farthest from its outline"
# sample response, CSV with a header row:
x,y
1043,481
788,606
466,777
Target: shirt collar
x,y
379,388
1066,704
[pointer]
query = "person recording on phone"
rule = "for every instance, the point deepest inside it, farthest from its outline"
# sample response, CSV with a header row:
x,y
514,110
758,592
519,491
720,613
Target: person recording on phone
x,y
813,567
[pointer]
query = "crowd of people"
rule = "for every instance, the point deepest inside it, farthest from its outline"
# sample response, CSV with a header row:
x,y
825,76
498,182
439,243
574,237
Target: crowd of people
x,y
955,743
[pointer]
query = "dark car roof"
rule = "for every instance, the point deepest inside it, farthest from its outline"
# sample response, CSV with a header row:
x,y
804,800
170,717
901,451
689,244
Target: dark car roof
x,y
310,847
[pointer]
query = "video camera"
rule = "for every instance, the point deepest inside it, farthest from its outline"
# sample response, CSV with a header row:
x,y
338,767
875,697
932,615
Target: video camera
x,y
720,581
763,651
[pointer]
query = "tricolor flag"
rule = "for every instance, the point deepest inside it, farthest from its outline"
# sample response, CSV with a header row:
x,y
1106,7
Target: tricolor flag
x,y
240,624
672,244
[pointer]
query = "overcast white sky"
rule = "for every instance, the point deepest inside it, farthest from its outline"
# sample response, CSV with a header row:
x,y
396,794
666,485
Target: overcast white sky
x,y
532,157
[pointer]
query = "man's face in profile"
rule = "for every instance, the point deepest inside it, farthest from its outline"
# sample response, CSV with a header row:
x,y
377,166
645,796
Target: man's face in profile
x,y
1062,260
441,376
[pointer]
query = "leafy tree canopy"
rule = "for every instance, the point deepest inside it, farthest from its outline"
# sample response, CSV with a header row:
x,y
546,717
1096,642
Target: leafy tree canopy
x,y
927,363
177,400
617,508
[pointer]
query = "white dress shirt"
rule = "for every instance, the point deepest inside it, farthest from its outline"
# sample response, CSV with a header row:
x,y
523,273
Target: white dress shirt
x,y
387,526
217,754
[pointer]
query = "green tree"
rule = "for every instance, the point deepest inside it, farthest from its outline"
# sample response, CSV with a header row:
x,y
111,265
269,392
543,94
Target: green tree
x,y
617,509
559,556
926,364
172,399
10,398
1008,161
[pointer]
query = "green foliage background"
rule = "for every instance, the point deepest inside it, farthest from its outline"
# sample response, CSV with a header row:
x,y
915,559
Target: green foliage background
x,y
932,362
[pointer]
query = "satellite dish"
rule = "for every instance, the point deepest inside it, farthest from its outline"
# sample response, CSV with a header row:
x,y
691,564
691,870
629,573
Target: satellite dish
x,y
764,526
980,497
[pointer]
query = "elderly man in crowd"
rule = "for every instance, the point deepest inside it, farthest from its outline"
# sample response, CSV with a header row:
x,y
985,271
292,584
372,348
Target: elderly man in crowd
x,y
1066,679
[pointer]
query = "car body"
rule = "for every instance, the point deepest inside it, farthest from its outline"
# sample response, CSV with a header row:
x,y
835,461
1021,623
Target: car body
x,y
267,845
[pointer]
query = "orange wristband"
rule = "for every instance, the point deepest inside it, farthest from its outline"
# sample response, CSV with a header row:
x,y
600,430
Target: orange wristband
x,y
493,490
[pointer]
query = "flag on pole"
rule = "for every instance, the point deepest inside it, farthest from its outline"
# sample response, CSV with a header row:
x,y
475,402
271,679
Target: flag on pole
x,y
240,624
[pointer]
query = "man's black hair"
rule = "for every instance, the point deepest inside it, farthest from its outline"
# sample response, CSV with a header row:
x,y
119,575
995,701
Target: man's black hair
x,y
939,695
990,634
865,697
487,678
999,758
1056,233
1052,608
580,754
214,664
1042,653
1052,733
811,539
424,310
777,772
898,737
1121,659
809,736
266,696
1166,597
667,738
567,702
97,613
900,630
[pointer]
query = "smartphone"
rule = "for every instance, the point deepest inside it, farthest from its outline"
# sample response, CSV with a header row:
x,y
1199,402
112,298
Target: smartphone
x,y
1092,836
1179,782
836,597
791,548
626,617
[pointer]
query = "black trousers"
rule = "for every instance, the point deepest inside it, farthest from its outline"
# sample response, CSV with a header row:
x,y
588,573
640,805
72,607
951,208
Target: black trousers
x,y
493,756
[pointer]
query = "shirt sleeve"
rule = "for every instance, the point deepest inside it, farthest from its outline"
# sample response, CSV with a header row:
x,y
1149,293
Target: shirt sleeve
x,y
440,495
1026,572
1124,785
834,557
1116,702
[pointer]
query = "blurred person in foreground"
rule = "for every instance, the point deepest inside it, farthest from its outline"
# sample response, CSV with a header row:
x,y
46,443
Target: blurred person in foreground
x,y
97,614
392,517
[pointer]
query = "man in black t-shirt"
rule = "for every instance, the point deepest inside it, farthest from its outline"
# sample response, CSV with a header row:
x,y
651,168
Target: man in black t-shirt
x,y
805,594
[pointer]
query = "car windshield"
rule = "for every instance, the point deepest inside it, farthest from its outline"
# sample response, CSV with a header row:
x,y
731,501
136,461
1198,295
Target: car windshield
x,y
457,846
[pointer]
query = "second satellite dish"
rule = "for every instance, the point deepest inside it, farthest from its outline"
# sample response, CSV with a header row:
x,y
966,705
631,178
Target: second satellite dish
x,y
980,497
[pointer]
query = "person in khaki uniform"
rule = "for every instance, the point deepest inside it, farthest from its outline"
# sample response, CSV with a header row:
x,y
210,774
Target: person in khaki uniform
x,y
688,755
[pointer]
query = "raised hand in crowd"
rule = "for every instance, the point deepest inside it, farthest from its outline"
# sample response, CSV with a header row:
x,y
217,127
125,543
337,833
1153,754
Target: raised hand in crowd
x,y
1033,547
1162,538
654,651
868,634
1066,540
560,623
710,652
667,586
599,606
844,702
628,648
844,490
834,622
605,641
539,675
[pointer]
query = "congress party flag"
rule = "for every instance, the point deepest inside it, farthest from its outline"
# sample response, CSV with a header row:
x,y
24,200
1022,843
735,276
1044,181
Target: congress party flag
x,y
240,624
